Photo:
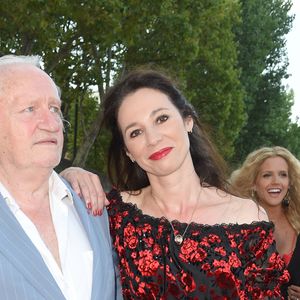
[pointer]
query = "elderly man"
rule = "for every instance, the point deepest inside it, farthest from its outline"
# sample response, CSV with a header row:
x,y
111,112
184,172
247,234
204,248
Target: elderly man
x,y
50,247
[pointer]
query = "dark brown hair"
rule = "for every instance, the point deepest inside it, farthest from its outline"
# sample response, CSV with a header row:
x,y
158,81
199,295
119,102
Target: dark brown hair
x,y
126,175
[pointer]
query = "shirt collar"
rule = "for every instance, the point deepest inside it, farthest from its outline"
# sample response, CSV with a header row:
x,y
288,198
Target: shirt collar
x,y
10,201
59,189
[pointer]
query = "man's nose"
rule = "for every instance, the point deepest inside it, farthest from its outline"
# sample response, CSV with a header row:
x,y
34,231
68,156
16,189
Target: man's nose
x,y
50,121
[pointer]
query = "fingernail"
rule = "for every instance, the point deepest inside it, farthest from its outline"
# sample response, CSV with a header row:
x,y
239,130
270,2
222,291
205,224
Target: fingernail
x,y
99,212
95,212
89,205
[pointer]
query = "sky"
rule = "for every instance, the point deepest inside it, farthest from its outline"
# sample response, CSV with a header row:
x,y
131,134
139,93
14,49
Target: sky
x,y
293,48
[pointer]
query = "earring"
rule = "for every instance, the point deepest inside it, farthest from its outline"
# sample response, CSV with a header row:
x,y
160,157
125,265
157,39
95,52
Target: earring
x,y
190,132
253,196
286,200
130,156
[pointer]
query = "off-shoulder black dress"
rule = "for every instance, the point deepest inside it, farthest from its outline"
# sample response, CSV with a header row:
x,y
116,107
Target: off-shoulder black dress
x,y
226,261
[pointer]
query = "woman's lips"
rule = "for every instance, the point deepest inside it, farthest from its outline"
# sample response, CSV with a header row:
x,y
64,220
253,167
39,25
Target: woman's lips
x,y
160,154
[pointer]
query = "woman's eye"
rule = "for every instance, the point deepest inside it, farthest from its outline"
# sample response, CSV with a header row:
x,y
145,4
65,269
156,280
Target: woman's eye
x,y
266,175
162,118
284,174
135,133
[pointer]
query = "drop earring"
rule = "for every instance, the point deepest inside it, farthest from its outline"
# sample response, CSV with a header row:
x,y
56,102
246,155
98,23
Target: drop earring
x,y
286,200
253,195
130,156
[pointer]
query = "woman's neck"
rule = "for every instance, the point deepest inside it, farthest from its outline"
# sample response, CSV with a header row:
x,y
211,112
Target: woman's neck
x,y
276,214
179,188
174,198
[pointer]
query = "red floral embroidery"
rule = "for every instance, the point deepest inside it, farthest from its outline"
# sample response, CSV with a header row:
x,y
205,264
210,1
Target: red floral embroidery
x,y
214,262
146,264
188,282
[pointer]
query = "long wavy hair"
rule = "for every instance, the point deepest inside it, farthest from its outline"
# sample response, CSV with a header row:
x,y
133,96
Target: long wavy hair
x,y
124,174
243,179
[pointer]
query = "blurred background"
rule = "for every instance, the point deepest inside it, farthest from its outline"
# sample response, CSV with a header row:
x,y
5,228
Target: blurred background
x,y
293,49
229,57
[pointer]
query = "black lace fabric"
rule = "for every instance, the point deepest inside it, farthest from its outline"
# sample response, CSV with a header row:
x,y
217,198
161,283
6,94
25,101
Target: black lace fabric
x,y
223,261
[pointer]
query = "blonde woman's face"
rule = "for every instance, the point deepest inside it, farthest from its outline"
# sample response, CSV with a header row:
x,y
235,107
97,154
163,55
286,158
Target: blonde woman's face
x,y
272,182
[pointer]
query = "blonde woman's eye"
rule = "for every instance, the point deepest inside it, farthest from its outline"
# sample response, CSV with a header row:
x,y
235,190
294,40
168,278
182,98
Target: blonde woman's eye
x,y
162,118
266,175
284,174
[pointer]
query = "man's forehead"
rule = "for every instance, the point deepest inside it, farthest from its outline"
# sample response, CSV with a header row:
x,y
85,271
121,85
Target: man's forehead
x,y
24,83
11,74
15,75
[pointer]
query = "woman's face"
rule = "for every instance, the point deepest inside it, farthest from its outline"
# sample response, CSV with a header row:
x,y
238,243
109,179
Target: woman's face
x,y
272,182
154,132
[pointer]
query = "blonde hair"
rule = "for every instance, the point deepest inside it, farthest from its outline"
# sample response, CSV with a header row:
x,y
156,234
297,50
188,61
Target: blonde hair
x,y
243,179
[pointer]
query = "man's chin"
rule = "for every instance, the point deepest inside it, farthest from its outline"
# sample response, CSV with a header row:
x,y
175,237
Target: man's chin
x,y
49,163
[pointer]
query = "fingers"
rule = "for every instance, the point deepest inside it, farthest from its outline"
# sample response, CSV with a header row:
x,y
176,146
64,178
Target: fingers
x,y
294,292
70,175
88,186
93,191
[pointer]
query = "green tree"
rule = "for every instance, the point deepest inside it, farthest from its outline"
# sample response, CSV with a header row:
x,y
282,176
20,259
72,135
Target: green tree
x,y
86,45
293,135
213,76
263,62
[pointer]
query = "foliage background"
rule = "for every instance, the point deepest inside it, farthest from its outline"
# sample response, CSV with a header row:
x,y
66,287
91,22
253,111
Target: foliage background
x,y
227,56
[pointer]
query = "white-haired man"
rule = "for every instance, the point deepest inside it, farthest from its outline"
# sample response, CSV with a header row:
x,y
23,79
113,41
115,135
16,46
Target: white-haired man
x,y
50,247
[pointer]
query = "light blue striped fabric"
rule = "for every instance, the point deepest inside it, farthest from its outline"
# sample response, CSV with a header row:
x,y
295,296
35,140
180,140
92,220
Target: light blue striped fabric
x,y
23,273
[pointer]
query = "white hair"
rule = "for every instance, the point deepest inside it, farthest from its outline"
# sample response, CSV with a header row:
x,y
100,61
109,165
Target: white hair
x,y
20,59
33,60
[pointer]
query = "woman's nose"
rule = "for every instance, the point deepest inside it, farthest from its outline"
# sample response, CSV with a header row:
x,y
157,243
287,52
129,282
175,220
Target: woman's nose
x,y
153,136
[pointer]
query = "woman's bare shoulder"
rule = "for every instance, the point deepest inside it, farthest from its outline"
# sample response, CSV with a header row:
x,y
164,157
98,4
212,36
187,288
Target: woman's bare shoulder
x,y
247,210
233,209
134,197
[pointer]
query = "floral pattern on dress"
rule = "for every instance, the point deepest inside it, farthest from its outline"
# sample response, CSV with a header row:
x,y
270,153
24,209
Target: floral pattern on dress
x,y
218,262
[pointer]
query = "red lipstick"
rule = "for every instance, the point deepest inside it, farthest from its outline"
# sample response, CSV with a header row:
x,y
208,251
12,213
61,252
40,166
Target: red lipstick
x,y
160,154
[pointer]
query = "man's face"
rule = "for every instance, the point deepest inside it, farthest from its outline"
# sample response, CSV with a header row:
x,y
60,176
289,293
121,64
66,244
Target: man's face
x,y
31,129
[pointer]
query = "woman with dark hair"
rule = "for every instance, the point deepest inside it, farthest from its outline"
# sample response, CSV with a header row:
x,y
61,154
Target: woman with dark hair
x,y
129,176
271,177
178,232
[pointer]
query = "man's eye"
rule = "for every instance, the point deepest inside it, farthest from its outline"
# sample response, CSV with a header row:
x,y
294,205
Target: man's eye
x,y
162,119
135,133
55,109
29,109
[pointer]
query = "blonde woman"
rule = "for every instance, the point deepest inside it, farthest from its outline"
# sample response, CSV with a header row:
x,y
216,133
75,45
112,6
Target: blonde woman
x,y
271,176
